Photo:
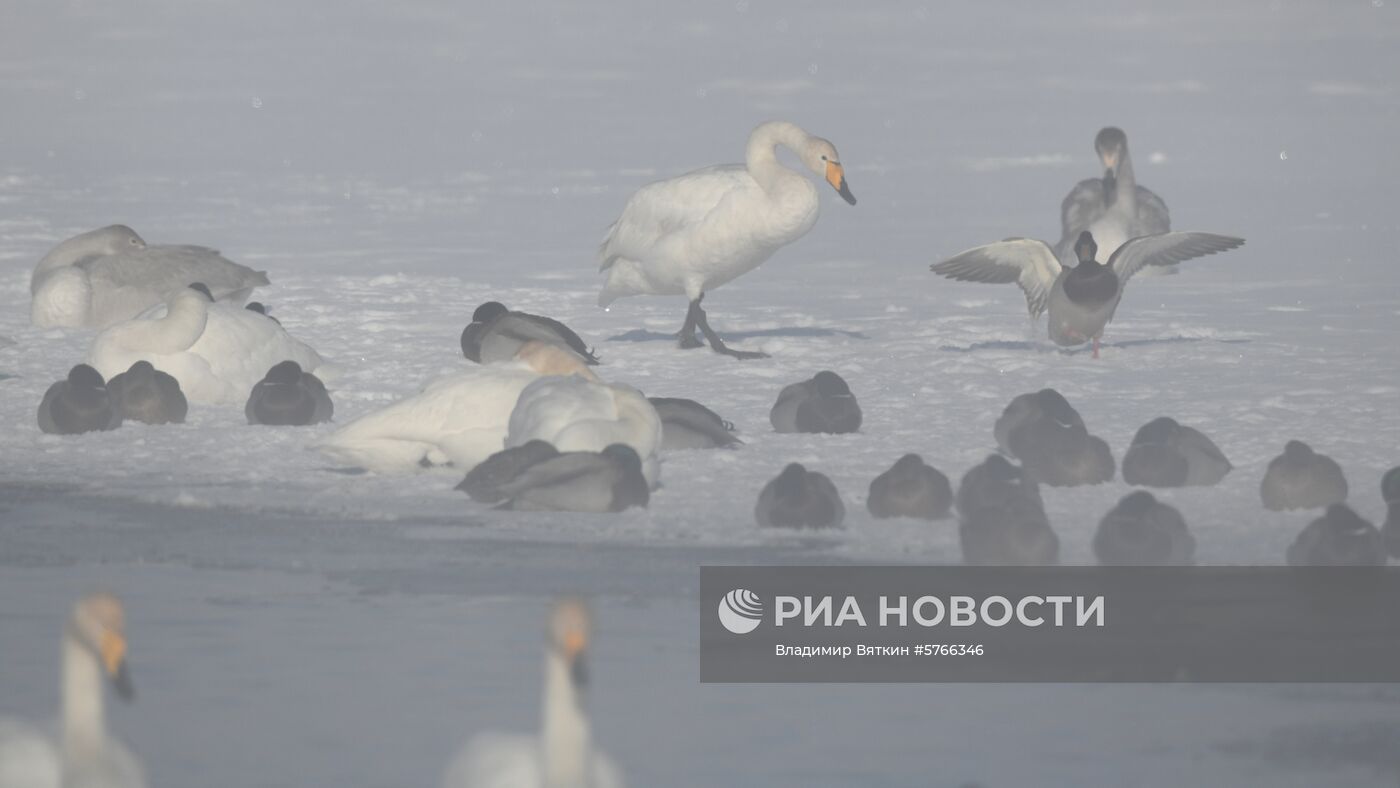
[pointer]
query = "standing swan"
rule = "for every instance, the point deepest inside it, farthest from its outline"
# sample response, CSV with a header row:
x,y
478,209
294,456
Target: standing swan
x,y
1114,208
562,756
109,275
692,233
94,645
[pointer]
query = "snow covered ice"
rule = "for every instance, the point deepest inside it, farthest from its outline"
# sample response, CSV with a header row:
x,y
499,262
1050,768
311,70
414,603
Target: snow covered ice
x,y
393,166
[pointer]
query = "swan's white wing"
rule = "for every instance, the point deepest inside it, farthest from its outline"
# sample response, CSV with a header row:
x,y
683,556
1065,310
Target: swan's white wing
x,y
461,417
164,269
665,207
496,761
1167,249
1025,261
28,758
575,414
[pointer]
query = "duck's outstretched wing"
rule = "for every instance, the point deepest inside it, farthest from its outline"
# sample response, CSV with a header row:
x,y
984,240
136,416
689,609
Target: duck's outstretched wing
x,y
1167,249
1025,261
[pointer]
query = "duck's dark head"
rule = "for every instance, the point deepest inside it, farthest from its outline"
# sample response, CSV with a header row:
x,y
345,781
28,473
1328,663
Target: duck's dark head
x,y
1157,432
830,384
86,377
620,453
141,370
287,373
1085,248
489,311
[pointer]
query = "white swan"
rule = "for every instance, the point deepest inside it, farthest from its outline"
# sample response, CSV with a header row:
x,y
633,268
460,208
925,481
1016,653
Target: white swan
x,y
459,420
108,275
1114,208
692,233
94,645
217,352
574,414
563,755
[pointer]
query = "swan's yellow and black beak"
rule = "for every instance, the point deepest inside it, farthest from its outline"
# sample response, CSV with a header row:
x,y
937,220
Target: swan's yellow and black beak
x,y
575,643
113,650
836,176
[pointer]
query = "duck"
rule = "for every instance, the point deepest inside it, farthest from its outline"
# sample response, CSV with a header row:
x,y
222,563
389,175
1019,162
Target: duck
x,y
1165,453
1390,490
108,275
692,233
801,499
83,753
1142,531
686,424
581,414
563,753
822,404
1114,208
261,309
910,488
146,394
1300,478
81,402
455,421
1048,436
1338,538
607,481
496,333
288,395
216,351
1081,300
1002,520
483,483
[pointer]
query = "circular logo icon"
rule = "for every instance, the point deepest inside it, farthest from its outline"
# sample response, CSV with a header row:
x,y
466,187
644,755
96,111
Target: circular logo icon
x,y
740,611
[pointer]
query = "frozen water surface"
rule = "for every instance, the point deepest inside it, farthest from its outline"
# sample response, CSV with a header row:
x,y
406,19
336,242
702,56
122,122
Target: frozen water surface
x,y
394,165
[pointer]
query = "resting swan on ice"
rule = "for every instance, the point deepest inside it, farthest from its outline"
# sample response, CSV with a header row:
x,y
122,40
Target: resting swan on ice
x,y
82,754
216,351
562,755
109,275
460,419
574,414
692,233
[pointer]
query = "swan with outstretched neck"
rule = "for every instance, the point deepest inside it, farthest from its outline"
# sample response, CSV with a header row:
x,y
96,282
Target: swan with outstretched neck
x,y
690,234
82,753
562,755
1114,208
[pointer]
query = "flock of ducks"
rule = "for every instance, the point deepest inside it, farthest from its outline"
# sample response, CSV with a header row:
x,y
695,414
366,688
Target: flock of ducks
x,y
532,425
81,753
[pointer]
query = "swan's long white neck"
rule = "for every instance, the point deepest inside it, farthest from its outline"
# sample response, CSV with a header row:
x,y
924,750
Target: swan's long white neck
x,y
566,739
183,324
762,154
84,730
1125,192
67,253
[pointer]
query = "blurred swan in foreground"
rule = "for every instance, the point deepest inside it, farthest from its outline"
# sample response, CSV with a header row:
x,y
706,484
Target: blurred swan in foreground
x,y
692,233
562,755
1081,300
94,647
496,333
216,351
578,414
459,420
109,275
1113,208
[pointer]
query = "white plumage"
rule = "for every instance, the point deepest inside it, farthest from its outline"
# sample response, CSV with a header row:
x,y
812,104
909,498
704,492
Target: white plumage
x,y
574,414
217,351
460,419
109,275
689,234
